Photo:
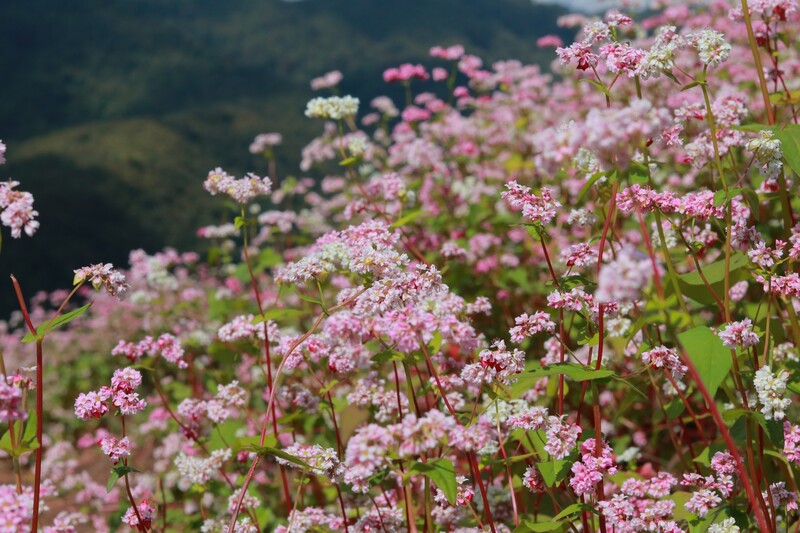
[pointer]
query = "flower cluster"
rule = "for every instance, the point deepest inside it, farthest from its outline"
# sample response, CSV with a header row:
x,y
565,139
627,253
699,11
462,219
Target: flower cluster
x,y
242,191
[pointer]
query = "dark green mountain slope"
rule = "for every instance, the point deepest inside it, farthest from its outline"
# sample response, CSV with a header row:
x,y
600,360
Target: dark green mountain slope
x,y
114,110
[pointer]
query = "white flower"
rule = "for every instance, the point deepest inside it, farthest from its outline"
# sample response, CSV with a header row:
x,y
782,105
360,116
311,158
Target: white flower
x,y
711,46
333,108
726,526
770,388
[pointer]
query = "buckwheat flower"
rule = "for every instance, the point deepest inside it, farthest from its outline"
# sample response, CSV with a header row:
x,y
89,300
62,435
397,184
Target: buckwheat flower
x,y
92,405
16,210
537,208
332,108
581,217
200,470
116,449
548,41
791,442
126,379
326,81
405,72
265,141
102,275
533,418
232,394
10,403
530,325
726,526
702,502
385,106
738,291
711,46
495,365
781,497
532,480
581,53
146,512
170,349
738,335
622,58
242,191
661,56
589,471
128,403
722,463
579,255
561,436
624,279
666,358
323,461
451,53
2,152
771,388
767,150
785,351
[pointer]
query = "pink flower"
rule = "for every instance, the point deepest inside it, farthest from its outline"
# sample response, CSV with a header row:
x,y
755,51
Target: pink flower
x,y
530,325
791,442
537,208
666,358
102,275
326,81
116,449
561,437
126,379
10,403
242,190
549,41
405,72
128,403
146,512
738,335
452,53
92,405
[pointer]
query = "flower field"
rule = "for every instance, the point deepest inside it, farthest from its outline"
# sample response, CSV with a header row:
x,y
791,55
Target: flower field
x,y
518,300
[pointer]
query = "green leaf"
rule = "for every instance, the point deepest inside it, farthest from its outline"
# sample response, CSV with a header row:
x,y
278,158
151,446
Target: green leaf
x,y
692,284
57,322
441,472
574,509
408,218
348,162
311,299
278,314
711,358
116,473
528,526
790,145
555,471
269,450
691,85
596,84
572,370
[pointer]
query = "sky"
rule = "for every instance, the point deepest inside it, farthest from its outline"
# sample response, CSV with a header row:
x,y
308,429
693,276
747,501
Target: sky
x,y
593,5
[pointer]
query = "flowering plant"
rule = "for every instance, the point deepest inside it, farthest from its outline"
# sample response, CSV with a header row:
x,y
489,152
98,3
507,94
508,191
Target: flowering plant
x,y
524,303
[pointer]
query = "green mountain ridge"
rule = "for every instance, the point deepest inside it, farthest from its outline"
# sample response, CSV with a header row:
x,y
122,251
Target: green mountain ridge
x,y
113,112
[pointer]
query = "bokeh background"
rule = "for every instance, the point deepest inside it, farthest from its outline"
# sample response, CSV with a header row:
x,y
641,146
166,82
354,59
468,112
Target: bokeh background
x,y
114,111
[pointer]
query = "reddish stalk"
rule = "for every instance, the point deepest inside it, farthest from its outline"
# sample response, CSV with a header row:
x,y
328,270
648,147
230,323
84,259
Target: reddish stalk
x,y
37,481
607,226
763,524
268,361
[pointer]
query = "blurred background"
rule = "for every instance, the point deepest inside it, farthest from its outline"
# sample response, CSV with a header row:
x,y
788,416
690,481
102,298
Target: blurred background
x,y
114,111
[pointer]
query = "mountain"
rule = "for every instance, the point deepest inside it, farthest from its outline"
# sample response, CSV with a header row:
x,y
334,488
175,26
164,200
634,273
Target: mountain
x,y
114,111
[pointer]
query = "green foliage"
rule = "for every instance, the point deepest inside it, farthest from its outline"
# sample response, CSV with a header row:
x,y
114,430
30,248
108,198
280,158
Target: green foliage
x,y
711,358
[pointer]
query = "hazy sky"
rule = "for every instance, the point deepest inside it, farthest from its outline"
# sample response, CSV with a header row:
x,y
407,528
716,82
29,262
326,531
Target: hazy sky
x,y
592,5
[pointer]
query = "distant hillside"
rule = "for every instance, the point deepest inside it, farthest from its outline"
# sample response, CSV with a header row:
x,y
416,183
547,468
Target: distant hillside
x,y
113,111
